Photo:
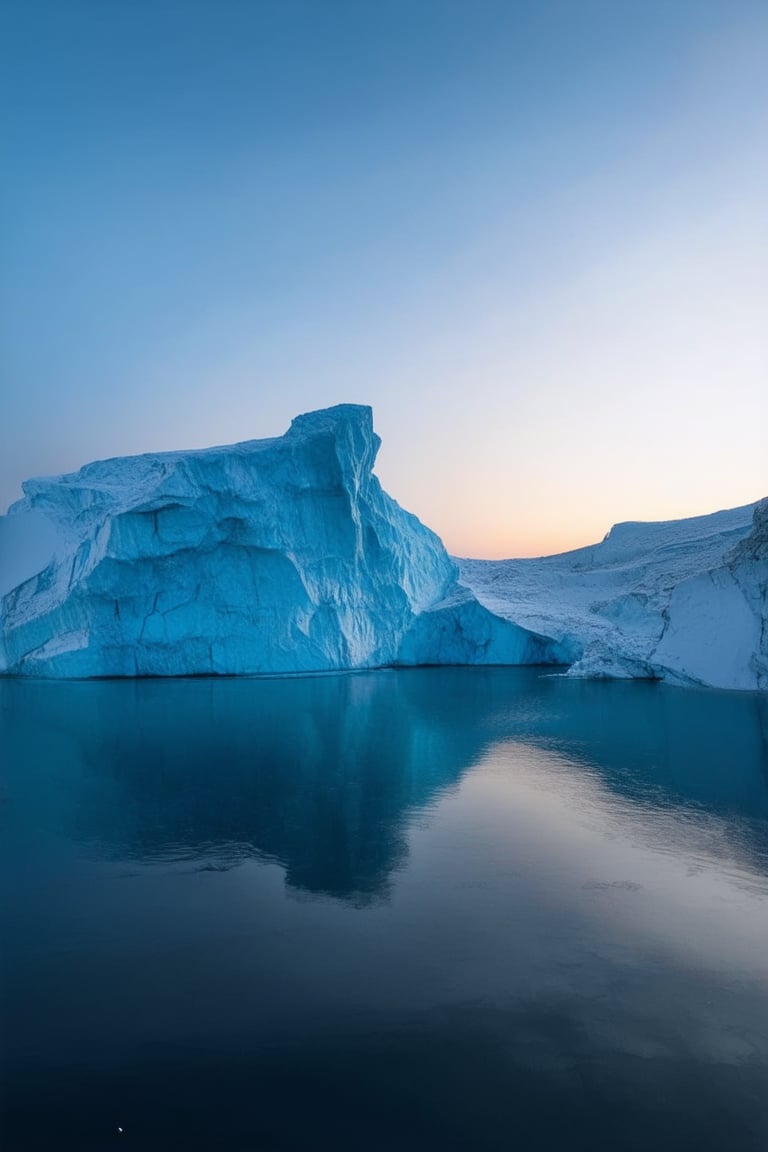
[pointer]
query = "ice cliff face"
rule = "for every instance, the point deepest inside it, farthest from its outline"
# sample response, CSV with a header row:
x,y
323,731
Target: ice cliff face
x,y
276,556
684,600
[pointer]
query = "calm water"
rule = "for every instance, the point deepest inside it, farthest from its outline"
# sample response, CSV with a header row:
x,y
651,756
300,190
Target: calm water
x,y
434,909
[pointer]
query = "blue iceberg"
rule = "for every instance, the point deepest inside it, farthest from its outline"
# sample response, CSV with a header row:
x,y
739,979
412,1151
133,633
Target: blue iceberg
x,y
269,556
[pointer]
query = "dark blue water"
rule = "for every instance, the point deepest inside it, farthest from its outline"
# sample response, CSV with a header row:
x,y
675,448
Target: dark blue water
x,y
433,909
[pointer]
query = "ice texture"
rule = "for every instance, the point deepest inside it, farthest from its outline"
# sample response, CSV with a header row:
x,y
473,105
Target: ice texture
x,y
681,600
285,556
270,556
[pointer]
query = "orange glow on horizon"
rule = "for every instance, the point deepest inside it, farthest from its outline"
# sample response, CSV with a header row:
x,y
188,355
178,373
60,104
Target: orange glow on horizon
x,y
505,547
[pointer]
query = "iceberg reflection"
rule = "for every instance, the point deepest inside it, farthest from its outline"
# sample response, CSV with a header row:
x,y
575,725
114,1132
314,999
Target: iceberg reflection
x,y
324,774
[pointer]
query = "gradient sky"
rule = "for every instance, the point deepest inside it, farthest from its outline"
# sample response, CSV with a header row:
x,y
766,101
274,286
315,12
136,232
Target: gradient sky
x,y
533,235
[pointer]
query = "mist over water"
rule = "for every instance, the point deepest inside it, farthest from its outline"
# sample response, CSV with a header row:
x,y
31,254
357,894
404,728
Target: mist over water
x,y
449,908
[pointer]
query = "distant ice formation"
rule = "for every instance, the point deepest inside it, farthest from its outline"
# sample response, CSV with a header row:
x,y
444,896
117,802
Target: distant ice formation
x,y
285,556
683,600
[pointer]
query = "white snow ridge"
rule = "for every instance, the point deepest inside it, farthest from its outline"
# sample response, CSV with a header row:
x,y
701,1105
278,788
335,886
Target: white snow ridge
x,y
285,555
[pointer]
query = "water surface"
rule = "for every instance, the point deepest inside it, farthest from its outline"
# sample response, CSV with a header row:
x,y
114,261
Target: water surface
x,y
436,908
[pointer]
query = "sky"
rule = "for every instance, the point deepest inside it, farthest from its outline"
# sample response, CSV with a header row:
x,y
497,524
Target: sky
x,y
532,235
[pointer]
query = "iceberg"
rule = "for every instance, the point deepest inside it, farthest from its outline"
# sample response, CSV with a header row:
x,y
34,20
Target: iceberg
x,y
285,556
682,600
269,556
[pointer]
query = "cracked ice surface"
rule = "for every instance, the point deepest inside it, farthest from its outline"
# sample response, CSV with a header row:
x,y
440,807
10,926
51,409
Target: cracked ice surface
x,y
270,556
682,600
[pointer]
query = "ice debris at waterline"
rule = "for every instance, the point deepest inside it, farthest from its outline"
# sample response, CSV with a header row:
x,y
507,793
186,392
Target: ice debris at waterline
x,y
285,555
270,556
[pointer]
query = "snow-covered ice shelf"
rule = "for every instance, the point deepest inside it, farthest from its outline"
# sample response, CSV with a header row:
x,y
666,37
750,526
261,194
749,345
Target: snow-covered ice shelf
x,y
682,600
